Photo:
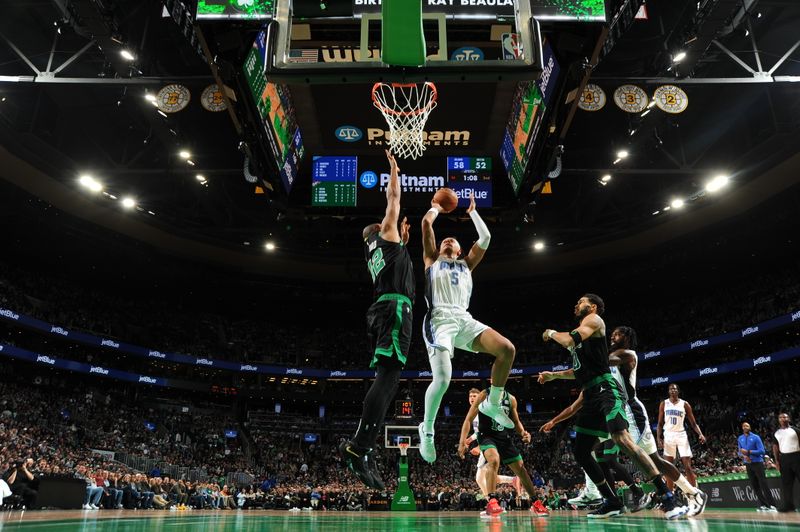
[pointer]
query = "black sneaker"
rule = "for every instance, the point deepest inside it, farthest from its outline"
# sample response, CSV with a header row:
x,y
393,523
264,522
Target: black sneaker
x,y
356,461
672,507
608,509
641,502
372,465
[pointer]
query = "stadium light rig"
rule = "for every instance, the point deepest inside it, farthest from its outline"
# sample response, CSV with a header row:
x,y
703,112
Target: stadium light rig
x,y
717,183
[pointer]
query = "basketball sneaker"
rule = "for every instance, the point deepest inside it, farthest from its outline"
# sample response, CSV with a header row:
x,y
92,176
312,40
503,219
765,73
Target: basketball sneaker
x,y
493,508
356,461
585,499
697,503
642,502
427,449
539,509
672,510
608,509
497,413
377,482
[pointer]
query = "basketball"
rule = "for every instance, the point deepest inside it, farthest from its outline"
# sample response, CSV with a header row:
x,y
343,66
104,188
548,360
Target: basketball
x,y
446,198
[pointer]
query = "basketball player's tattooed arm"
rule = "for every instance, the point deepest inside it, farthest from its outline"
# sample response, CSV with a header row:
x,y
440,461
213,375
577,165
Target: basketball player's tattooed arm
x,y
389,230
473,411
590,325
660,429
547,376
478,249
526,436
693,422
567,413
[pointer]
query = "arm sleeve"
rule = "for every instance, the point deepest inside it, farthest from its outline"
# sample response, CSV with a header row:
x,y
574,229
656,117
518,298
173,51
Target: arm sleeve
x,y
484,236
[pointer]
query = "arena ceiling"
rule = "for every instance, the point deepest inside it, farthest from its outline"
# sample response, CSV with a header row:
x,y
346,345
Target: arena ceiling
x,y
91,117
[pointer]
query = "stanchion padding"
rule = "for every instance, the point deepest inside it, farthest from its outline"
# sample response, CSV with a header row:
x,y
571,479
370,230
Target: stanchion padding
x,y
402,38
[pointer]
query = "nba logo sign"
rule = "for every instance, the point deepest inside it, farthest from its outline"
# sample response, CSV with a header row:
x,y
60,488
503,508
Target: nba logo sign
x,y
348,133
368,179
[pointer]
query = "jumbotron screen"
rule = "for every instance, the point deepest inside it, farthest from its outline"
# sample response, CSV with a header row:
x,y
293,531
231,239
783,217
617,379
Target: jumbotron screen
x,y
231,9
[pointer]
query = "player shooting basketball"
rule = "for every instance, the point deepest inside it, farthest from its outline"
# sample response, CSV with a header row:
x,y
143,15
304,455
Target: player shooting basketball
x,y
448,324
389,325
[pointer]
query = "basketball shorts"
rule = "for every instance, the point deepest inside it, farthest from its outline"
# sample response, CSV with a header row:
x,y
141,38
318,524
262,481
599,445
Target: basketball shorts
x,y
505,447
606,450
603,409
389,327
481,460
450,328
639,427
677,445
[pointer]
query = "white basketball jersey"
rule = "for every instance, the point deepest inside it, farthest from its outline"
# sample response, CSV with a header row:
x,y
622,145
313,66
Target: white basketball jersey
x,y
674,414
475,425
448,284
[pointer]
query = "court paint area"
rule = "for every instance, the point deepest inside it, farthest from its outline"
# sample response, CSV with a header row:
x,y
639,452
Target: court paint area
x,y
130,521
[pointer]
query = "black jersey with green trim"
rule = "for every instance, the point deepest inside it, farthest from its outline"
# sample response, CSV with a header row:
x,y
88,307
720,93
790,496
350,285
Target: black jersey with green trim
x,y
489,427
590,359
390,266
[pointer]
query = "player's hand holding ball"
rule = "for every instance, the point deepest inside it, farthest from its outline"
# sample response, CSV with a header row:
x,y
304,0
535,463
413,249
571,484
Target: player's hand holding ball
x,y
445,199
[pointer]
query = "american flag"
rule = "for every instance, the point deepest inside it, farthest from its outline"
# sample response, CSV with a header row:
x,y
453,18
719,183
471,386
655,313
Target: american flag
x,y
303,56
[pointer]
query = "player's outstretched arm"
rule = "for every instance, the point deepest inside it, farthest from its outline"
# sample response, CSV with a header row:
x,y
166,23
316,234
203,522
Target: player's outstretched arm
x,y
473,411
567,413
389,230
429,251
478,249
547,376
589,325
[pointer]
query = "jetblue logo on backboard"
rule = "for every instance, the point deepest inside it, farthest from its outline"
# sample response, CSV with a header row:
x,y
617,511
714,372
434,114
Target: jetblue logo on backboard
x,y
368,179
467,53
348,133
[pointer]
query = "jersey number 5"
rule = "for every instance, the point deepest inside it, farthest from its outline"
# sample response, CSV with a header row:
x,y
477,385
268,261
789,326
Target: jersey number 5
x,y
454,278
376,263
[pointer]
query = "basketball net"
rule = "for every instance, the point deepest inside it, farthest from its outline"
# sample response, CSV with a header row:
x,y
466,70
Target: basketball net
x,y
403,449
406,107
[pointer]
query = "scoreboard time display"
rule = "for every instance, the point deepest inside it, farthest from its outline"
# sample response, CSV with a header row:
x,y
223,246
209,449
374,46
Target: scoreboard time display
x,y
404,409
467,175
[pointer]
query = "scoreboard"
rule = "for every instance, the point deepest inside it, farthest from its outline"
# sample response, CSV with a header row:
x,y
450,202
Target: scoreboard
x,y
404,409
333,181
467,175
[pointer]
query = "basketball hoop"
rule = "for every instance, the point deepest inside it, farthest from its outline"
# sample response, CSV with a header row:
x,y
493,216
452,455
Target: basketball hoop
x,y
403,448
406,107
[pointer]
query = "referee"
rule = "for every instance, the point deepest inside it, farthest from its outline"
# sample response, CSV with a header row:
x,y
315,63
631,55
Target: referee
x,y
787,457
751,449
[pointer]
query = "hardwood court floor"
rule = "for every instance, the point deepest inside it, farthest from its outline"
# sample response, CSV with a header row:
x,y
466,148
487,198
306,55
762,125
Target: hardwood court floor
x,y
257,520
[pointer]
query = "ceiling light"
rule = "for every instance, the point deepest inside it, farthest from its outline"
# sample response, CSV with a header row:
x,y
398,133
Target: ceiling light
x,y
128,203
85,180
538,246
647,112
149,97
680,56
656,212
606,178
717,183
622,154
162,113
633,132
127,55
651,104
91,183
184,154
191,162
677,203
270,246
617,160
667,208
200,177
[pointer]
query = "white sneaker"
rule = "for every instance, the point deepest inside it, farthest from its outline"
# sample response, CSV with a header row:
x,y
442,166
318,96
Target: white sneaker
x,y
94,507
697,503
771,509
497,413
427,449
585,499
87,507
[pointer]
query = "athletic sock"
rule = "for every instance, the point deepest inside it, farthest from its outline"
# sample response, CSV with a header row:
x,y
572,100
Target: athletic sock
x,y
685,486
661,487
441,370
495,394
376,402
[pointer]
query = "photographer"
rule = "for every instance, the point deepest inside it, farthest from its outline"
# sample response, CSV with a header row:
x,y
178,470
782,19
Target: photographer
x,y
18,477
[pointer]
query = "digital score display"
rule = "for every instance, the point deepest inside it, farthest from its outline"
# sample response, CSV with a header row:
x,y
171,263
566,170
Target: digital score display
x,y
404,409
333,181
467,175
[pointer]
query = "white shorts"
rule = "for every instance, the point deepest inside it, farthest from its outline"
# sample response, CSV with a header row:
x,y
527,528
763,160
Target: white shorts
x,y
450,328
481,461
645,439
677,446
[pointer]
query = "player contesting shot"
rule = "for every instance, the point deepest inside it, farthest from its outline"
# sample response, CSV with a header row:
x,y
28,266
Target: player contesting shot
x,y
448,324
389,326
